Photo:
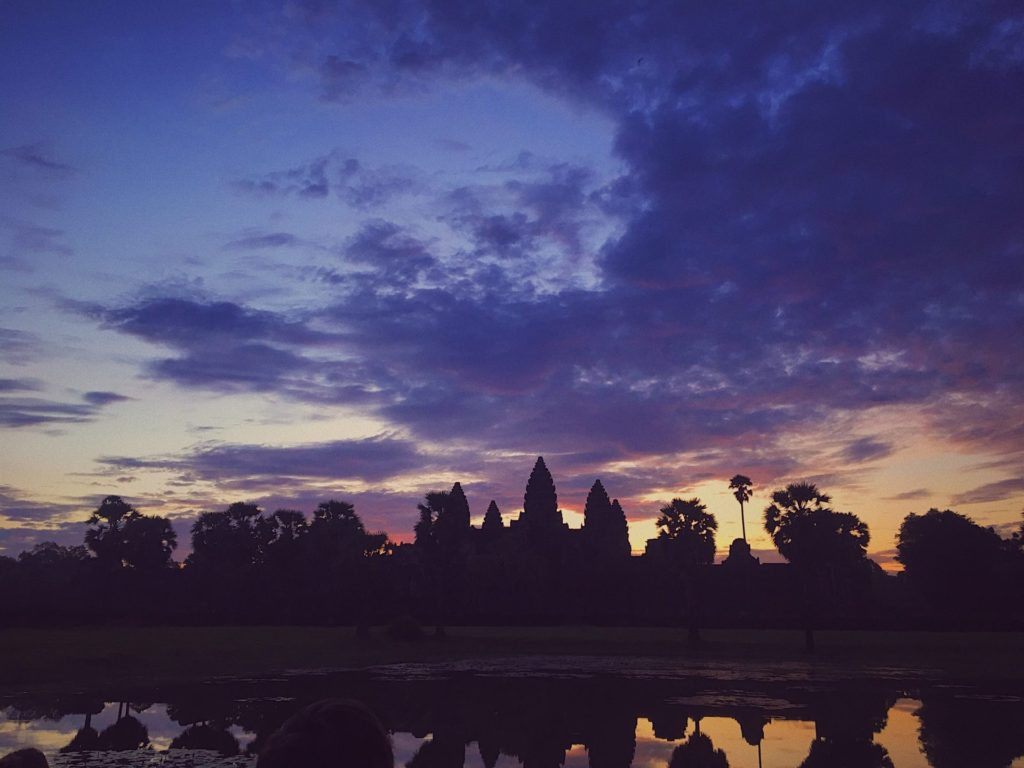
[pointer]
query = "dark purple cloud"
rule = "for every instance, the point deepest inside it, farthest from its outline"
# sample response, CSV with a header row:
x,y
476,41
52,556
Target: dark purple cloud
x,y
23,411
229,347
20,385
249,466
395,258
998,491
176,321
104,398
865,449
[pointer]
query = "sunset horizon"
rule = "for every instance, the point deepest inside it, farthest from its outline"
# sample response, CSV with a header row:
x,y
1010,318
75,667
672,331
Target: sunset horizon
x,y
308,251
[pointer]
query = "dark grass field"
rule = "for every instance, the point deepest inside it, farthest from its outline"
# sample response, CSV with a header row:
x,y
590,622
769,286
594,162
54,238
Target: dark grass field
x,y
51,658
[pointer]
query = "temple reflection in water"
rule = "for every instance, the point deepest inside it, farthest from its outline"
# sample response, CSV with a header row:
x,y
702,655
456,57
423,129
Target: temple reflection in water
x,y
614,714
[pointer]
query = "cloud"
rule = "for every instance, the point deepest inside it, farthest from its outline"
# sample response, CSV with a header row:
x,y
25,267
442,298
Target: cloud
x,y
38,159
251,466
20,385
545,212
25,523
865,449
177,321
25,241
998,491
349,180
104,398
18,347
21,411
258,242
223,345
14,507
16,539
452,145
917,493
395,257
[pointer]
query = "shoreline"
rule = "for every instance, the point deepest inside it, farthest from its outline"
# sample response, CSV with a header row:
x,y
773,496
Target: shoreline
x,y
40,659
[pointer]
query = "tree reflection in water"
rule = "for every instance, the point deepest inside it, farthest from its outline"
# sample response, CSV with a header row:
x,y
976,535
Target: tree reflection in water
x,y
845,726
126,734
959,730
537,720
698,752
207,737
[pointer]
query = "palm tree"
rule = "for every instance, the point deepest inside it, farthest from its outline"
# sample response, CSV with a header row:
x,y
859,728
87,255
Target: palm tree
x,y
815,539
105,535
741,485
687,538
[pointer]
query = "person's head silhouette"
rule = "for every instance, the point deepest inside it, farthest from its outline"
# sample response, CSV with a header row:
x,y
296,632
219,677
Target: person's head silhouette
x,y
333,733
24,758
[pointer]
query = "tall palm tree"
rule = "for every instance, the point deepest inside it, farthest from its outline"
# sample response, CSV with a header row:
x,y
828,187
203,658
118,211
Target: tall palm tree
x,y
741,485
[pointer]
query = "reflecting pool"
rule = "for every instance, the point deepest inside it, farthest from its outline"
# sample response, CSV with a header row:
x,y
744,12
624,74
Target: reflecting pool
x,y
547,712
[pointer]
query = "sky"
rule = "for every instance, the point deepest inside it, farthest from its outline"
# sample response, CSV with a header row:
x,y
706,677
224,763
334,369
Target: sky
x,y
287,252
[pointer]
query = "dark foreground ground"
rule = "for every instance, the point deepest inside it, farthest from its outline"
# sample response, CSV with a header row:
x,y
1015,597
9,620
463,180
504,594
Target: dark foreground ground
x,y
50,658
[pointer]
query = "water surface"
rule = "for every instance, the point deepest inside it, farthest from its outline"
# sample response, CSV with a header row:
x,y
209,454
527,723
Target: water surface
x,y
547,712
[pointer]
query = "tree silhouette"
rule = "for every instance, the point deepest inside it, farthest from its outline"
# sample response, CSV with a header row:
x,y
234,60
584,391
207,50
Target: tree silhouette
x,y
148,542
806,531
205,736
105,535
424,528
223,571
816,540
958,730
686,540
948,559
286,527
49,554
124,735
845,723
439,752
339,547
441,539
285,570
826,753
688,530
698,752
232,539
337,529
50,581
741,485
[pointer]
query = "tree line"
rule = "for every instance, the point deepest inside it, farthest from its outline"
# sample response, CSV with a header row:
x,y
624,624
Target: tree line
x,y
249,566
